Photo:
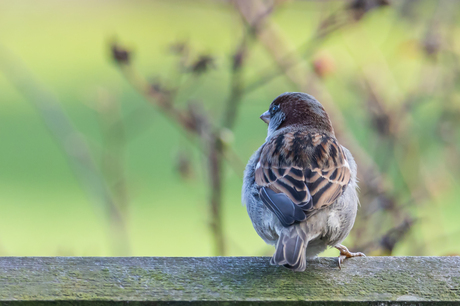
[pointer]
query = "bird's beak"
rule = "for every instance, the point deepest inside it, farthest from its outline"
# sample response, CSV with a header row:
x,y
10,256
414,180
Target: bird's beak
x,y
265,117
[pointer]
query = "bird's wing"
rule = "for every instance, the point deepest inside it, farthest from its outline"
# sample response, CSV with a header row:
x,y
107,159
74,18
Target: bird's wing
x,y
301,172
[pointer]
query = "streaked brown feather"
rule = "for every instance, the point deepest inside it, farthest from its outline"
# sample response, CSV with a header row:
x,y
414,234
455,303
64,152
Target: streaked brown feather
x,y
300,163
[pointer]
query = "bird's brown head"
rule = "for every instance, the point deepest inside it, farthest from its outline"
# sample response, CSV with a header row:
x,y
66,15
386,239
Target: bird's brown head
x,y
297,108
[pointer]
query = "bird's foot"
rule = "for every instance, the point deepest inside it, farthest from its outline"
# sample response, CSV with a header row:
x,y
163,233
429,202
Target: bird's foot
x,y
345,253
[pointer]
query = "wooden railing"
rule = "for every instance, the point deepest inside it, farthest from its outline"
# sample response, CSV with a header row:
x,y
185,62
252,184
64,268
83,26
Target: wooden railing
x,y
227,281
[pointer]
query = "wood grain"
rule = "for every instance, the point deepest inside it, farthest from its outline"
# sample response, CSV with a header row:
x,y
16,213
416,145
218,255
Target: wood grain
x,y
227,280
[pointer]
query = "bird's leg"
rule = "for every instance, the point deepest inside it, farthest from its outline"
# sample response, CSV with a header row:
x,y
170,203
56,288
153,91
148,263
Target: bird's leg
x,y
345,253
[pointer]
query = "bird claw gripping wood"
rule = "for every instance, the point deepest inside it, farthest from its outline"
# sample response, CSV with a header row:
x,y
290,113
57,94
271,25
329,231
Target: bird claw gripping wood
x,y
345,253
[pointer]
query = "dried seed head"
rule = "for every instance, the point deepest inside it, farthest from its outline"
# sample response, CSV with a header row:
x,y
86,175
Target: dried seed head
x,y
120,54
202,64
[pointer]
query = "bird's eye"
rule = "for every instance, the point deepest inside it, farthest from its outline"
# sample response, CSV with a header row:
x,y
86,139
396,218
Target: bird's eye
x,y
275,108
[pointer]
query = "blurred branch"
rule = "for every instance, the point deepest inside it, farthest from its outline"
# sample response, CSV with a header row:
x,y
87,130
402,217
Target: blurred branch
x,y
395,125
112,163
271,37
236,90
385,244
255,14
194,121
334,21
219,145
373,181
70,141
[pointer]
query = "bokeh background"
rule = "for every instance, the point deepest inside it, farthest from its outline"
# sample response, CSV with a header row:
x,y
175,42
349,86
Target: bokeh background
x,y
125,125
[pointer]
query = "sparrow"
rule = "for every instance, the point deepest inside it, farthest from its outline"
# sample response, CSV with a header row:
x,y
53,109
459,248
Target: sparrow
x,y
300,186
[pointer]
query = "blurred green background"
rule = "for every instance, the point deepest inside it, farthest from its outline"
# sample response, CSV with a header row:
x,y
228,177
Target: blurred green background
x,y
405,55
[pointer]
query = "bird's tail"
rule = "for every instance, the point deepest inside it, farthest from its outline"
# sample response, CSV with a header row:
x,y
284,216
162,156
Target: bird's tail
x,y
291,248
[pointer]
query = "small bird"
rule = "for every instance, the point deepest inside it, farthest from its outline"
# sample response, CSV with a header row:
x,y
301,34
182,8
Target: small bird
x,y
300,186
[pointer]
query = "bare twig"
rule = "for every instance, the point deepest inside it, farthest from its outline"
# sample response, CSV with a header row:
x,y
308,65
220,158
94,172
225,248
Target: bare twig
x,y
336,20
195,122
271,38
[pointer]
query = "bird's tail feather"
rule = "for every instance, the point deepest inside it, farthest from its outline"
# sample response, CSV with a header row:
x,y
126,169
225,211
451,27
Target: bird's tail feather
x,y
291,248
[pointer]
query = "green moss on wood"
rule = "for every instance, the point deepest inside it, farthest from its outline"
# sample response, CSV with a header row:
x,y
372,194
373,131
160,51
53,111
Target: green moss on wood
x,y
400,280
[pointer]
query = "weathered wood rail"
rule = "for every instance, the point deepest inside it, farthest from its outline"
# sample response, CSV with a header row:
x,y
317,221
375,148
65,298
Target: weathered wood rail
x,y
227,281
